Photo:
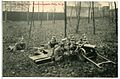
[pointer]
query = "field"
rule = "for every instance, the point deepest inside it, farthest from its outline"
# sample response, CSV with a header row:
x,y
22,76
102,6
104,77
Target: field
x,y
18,64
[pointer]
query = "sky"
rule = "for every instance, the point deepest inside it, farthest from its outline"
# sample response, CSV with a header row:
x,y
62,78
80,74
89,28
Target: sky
x,y
57,6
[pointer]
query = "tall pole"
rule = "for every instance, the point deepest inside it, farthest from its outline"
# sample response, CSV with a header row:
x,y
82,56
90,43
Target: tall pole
x,y
93,18
65,18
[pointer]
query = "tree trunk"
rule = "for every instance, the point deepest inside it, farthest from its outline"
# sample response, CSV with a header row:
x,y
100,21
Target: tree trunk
x,y
47,15
38,11
93,18
112,14
76,9
116,18
109,13
5,12
28,13
65,12
89,12
33,14
78,15
70,17
54,14
32,20
10,6
42,12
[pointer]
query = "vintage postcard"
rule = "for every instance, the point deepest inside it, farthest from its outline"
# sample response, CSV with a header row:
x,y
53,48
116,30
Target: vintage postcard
x,y
60,39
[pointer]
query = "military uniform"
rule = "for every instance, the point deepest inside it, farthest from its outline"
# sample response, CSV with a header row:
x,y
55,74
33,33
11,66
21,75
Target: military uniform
x,y
52,42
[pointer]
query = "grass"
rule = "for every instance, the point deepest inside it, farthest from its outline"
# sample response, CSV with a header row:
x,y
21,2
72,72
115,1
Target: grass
x,y
18,64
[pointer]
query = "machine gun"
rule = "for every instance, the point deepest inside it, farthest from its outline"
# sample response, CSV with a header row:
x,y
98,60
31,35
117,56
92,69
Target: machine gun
x,y
90,53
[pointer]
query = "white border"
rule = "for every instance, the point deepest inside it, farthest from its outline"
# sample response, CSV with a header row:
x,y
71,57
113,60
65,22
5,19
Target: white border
x,y
1,49
60,0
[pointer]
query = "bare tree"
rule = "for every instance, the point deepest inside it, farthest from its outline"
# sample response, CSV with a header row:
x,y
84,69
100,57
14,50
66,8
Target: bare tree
x,y
38,11
28,12
33,14
65,13
6,11
32,22
93,18
116,18
70,12
112,14
70,17
89,12
54,14
76,9
109,13
10,5
42,12
78,15
47,15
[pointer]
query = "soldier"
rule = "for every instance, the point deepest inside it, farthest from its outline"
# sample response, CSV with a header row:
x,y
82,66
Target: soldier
x,y
59,51
84,39
52,42
72,45
67,47
21,45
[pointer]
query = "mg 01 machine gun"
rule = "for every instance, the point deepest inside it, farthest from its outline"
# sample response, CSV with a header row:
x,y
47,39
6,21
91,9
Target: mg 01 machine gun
x,y
82,51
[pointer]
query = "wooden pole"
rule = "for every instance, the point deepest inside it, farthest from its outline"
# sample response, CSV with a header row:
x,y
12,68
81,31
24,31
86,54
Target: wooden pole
x,y
65,12
93,18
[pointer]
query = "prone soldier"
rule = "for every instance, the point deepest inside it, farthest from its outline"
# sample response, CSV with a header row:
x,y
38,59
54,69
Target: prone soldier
x,y
21,45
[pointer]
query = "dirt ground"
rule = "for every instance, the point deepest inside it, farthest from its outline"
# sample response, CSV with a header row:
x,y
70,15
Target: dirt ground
x,y
18,64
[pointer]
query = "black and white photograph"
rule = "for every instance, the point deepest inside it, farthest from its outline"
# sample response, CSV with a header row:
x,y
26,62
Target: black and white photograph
x,y
77,39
